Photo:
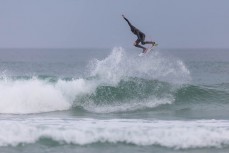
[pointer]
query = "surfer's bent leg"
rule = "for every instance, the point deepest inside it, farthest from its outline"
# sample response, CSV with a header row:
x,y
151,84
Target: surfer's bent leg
x,y
148,42
142,39
136,44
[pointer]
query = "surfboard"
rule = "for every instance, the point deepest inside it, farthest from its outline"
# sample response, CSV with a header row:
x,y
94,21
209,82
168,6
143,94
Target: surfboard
x,y
147,51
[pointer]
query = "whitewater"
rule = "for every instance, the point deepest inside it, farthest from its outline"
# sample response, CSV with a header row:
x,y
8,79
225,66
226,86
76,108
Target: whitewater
x,y
113,99
172,134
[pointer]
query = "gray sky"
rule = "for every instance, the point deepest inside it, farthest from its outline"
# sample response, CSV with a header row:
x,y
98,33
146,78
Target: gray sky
x,y
98,23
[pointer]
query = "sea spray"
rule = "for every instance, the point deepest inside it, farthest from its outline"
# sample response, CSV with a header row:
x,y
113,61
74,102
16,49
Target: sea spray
x,y
121,64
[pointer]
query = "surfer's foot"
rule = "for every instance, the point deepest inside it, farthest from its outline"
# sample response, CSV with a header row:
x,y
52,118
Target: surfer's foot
x,y
153,44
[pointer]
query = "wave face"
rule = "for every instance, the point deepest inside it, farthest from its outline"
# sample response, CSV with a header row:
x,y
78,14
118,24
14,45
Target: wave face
x,y
171,134
120,82
128,95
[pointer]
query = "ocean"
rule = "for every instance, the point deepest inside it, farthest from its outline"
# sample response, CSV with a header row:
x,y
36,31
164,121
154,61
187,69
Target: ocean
x,y
111,100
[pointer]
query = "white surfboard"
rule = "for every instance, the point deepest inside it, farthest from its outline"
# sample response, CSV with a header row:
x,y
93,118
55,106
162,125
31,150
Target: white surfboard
x,y
147,51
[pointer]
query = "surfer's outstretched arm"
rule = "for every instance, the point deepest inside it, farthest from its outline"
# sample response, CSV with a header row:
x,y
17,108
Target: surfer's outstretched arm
x,y
127,21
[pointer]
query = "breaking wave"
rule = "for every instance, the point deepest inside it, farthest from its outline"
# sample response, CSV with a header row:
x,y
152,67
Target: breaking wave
x,y
120,82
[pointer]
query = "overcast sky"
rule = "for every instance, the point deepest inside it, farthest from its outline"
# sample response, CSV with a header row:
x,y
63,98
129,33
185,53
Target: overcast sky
x,y
98,23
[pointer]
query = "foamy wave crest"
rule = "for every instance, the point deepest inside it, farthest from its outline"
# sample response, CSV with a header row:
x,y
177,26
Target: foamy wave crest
x,y
36,96
171,134
119,65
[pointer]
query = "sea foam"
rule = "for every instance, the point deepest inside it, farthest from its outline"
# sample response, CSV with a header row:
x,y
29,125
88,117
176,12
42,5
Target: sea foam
x,y
171,134
36,96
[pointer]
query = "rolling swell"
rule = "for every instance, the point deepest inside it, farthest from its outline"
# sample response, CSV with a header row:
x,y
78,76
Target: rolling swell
x,y
203,94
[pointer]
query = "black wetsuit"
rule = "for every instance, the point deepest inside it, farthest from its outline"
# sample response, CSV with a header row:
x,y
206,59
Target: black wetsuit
x,y
139,34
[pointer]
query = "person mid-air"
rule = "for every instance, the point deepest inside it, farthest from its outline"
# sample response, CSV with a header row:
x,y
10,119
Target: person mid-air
x,y
140,35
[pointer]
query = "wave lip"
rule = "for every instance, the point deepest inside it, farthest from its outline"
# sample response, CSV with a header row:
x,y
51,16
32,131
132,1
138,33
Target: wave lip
x,y
171,134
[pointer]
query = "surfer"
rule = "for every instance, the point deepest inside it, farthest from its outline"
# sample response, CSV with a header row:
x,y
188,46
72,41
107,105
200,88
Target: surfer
x,y
140,35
